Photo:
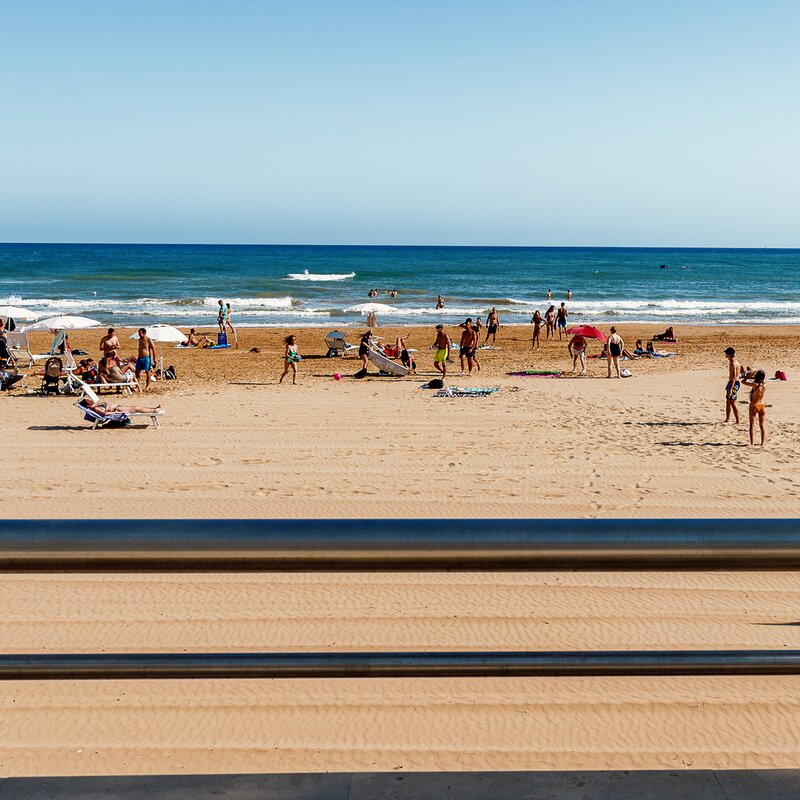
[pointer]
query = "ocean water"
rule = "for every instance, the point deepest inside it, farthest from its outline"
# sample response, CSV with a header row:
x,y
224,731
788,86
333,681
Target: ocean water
x,y
315,285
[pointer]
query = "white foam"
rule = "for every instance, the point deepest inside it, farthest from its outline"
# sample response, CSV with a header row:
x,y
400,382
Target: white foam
x,y
319,276
239,303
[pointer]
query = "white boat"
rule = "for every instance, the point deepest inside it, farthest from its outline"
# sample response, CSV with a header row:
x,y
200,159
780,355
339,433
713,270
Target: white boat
x,y
386,364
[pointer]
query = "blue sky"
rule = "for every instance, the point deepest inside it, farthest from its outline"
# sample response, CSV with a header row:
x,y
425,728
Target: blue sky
x,y
523,123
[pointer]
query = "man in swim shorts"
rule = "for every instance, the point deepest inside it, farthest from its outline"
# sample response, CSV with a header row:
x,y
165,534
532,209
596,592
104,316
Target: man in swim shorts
x,y
442,345
732,386
469,341
561,320
145,356
492,324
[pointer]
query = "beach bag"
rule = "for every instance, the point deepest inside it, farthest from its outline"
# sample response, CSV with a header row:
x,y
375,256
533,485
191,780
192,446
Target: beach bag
x,y
362,373
117,421
780,375
436,383
222,339
169,373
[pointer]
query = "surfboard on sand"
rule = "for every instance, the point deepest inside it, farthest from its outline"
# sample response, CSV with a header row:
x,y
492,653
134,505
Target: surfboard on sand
x,y
386,364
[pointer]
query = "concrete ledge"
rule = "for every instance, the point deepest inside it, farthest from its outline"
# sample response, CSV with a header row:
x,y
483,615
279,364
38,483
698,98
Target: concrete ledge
x,y
616,785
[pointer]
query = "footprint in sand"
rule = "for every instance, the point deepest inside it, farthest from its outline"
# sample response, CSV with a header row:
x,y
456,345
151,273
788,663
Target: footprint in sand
x,y
206,462
254,461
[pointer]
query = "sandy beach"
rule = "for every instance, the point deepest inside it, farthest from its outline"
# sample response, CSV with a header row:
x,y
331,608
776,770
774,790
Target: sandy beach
x,y
235,444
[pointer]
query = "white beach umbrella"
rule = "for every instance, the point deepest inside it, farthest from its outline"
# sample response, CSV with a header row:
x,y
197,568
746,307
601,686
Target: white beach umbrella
x,y
162,333
15,312
63,323
369,308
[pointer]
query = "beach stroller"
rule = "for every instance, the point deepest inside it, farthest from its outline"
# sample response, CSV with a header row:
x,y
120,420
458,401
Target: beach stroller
x,y
51,380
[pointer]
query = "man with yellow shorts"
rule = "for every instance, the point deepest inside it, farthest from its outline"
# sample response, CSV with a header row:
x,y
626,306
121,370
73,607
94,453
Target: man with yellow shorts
x,y
442,345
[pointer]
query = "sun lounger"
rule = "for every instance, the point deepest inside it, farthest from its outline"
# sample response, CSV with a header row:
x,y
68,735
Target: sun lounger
x,y
115,420
127,387
336,342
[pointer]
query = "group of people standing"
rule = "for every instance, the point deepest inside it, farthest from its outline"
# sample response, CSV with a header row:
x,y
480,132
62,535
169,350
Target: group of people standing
x,y
553,320
738,376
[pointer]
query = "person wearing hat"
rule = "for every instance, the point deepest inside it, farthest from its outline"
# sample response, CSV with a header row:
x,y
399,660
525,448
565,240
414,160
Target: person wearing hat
x,y
732,386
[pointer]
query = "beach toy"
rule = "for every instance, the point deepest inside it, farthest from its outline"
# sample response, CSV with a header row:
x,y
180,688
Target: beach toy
x,y
337,376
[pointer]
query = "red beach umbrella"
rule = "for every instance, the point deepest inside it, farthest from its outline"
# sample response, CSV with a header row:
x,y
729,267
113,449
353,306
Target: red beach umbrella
x,y
588,332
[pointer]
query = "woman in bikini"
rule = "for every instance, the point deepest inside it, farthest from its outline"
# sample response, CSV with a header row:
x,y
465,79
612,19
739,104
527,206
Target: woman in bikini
x,y
550,323
290,358
536,321
757,408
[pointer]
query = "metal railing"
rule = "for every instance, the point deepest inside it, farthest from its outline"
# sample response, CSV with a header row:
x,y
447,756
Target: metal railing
x,y
398,545
94,666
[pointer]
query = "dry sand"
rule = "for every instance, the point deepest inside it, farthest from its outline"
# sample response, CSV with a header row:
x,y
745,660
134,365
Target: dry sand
x,y
236,445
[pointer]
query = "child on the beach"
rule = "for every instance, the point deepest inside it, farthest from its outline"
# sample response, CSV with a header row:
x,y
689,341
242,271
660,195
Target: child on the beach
x,y
757,408
291,358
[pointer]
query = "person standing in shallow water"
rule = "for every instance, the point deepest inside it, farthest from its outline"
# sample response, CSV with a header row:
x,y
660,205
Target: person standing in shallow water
x,y
732,386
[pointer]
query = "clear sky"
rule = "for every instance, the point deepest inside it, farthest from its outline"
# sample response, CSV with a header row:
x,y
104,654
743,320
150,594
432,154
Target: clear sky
x,y
569,122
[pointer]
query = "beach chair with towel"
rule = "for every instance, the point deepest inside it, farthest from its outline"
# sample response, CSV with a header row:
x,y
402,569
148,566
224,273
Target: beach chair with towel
x,y
20,347
336,342
114,420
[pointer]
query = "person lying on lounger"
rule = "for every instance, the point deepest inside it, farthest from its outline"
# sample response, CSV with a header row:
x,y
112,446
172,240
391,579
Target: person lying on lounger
x,y
106,409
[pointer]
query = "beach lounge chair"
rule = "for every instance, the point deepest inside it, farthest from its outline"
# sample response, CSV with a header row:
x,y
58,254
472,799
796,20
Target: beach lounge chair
x,y
109,420
20,347
51,380
336,342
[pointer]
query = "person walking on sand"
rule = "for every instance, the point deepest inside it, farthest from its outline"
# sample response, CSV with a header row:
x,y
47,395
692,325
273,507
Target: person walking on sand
x,y
577,349
468,344
221,316
536,321
550,323
614,349
757,408
291,358
492,324
230,324
442,346
561,320
145,356
732,386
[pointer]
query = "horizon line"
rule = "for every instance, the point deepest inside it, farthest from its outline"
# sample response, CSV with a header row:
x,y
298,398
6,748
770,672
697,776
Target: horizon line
x,y
409,246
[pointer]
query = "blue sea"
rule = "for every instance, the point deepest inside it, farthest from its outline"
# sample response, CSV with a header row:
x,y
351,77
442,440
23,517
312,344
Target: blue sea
x,y
279,285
